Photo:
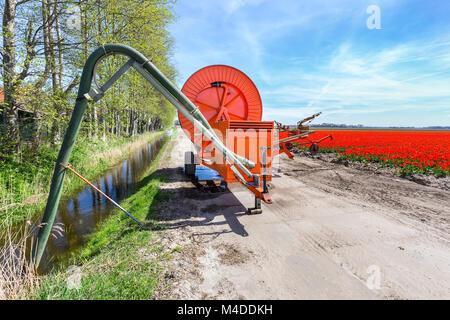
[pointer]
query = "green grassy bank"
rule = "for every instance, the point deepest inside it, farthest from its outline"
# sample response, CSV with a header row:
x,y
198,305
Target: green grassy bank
x,y
24,183
121,260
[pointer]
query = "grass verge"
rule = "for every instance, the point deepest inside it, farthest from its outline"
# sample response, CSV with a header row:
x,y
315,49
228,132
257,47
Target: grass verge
x,y
121,260
24,185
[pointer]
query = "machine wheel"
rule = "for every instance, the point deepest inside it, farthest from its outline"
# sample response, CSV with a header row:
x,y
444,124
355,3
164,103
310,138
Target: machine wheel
x,y
189,164
314,147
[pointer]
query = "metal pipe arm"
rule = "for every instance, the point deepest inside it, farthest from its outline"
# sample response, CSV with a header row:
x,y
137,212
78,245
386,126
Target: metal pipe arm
x,y
180,101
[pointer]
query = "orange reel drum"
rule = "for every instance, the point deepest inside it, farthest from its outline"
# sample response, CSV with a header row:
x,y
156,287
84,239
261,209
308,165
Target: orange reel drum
x,y
231,103
221,93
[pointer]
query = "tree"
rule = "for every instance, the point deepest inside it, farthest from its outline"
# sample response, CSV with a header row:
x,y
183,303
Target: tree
x,y
50,55
10,112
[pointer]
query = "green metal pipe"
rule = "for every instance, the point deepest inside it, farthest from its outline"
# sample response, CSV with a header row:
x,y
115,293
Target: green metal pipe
x,y
75,124
64,155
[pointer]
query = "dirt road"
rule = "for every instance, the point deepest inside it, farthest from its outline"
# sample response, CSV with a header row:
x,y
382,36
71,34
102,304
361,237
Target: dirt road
x,y
333,232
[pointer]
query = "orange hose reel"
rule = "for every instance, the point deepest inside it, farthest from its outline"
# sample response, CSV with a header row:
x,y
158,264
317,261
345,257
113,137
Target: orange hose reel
x,y
231,104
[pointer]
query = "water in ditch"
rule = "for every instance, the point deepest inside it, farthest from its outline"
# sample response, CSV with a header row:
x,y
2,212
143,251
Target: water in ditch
x,y
79,214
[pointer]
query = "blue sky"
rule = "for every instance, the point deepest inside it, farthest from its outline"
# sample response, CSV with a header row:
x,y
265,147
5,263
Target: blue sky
x,y
311,56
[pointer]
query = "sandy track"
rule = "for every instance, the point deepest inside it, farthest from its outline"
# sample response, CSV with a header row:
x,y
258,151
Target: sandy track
x,y
331,233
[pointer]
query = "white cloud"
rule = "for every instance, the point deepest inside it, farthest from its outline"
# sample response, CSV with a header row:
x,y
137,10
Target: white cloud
x,y
353,78
411,76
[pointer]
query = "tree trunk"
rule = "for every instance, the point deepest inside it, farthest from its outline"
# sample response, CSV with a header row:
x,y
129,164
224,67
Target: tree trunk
x,y
131,124
95,121
104,125
11,114
60,47
48,40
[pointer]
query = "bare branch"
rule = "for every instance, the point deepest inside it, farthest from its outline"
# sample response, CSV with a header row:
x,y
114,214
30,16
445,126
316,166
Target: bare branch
x,y
22,2
73,84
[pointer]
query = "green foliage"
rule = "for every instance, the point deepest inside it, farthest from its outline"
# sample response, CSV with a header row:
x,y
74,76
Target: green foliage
x,y
143,26
21,179
54,65
132,106
124,271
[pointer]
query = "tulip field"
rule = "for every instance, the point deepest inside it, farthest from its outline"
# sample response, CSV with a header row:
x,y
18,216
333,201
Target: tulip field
x,y
426,152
